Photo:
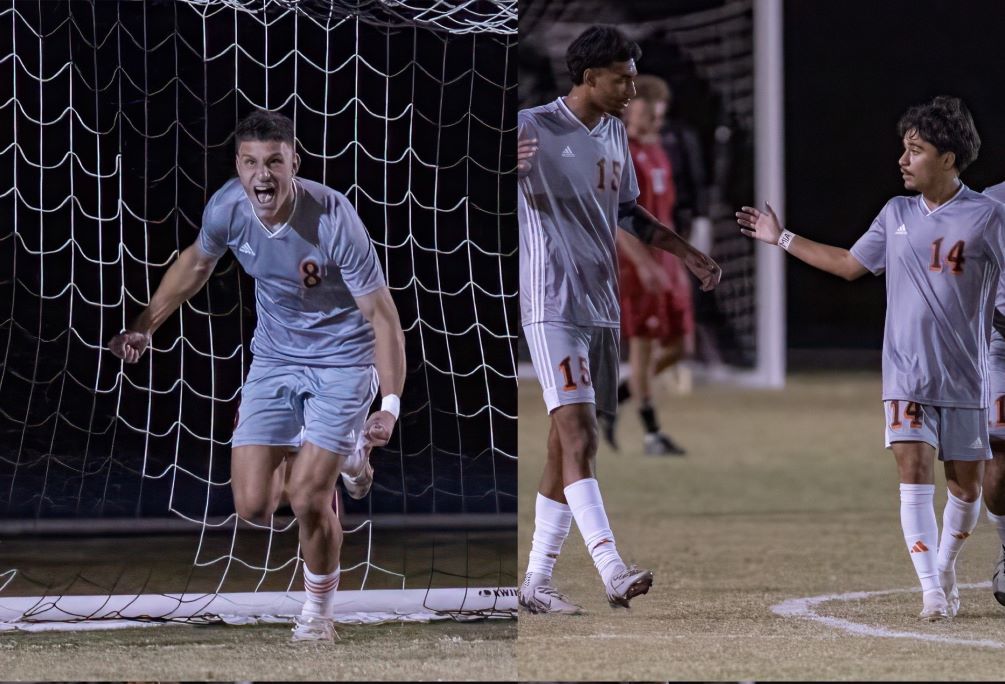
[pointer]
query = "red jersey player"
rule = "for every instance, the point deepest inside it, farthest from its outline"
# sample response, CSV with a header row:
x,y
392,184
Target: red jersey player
x,y
656,311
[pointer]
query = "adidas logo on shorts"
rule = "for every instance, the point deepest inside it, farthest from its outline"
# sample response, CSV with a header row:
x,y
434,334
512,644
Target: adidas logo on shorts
x,y
568,153
977,444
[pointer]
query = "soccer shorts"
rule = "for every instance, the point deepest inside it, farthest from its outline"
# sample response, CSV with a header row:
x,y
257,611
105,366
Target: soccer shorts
x,y
286,404
996,380
663,316
957,434
576,364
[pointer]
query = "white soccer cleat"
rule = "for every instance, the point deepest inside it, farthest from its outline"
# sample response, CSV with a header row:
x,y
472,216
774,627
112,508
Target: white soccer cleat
x,y
936,607
626,584
998,578
947,579
313,628
357,473
545,598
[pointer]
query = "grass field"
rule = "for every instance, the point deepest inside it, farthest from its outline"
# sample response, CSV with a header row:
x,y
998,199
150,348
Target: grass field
x,y
783,495
483,650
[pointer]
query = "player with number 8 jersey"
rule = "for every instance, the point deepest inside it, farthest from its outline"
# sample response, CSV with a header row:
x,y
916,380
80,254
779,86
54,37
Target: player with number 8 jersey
x,y
574,195
328,335
942,251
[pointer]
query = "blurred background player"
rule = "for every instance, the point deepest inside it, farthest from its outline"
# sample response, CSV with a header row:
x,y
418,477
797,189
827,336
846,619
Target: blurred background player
x,y
328,333
656,310
994,478
577,185
943,251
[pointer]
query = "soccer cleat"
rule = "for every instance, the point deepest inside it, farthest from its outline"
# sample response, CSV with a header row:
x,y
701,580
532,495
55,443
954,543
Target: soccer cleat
x,y
607,425
313,628
357,473
626,584
947,579
658,444
998,578
545,598
936,608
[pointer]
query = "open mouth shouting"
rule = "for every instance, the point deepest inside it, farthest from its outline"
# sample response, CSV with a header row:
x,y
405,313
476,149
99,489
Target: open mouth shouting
x,y
265,194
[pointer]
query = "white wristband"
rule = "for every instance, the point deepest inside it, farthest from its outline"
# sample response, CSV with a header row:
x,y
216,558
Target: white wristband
x,y
785,240
392,404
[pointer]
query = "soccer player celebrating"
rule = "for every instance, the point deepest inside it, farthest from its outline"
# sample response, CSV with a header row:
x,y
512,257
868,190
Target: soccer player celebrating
x,y
994,478
942,250
328,333
577,185
655,315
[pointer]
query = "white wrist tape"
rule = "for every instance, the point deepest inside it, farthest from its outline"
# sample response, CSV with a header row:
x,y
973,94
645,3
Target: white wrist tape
x,y
392,404
785,240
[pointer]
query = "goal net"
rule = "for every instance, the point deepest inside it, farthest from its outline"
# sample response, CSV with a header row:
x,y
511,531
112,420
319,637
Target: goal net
x,y
115,499
705,50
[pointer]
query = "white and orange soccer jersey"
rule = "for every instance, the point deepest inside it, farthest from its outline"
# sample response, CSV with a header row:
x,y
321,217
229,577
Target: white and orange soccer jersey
x,y
568,207
942,270
307,273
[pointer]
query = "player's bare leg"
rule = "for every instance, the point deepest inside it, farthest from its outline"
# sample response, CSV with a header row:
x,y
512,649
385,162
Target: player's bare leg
x,y
915,465
994,499
311,488
552,521
257,477
576,426
963,507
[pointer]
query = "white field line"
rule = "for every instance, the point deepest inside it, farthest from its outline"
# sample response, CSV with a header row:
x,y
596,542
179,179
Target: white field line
x,y
805,608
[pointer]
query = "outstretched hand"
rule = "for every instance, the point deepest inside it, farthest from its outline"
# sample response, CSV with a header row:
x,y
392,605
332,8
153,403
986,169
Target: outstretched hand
x,y
763,226
129,345
378,428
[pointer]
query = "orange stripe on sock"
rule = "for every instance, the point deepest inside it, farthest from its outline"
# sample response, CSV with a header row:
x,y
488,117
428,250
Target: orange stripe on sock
x,y
919,547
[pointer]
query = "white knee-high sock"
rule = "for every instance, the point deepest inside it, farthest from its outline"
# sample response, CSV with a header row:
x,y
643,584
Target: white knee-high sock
x,y
552,521
998,522
588,510
320,592
921,531
958,521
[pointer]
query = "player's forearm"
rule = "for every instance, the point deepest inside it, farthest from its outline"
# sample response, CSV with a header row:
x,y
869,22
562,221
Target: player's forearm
x,y
632,247
184,278
660,236
835,260
389,350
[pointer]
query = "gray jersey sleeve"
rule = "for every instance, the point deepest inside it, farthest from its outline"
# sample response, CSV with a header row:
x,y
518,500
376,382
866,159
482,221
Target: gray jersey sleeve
x,y
994,237
870,249
353,252
215,233
629,187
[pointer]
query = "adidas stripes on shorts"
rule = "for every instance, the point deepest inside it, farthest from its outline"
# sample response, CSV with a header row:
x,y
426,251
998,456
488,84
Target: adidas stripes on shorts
x,y
957,434
576,364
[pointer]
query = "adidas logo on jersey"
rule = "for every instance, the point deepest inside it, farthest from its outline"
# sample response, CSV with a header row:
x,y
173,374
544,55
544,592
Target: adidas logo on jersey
x,y
902,230
568,153
246,249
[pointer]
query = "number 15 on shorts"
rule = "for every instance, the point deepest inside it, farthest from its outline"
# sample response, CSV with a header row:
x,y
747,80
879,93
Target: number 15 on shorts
x,y
583,374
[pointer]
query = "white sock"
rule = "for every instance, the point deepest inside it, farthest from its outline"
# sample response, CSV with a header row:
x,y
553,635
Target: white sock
x,y
998,522
552,521
921,531
320,592
588,510
958,521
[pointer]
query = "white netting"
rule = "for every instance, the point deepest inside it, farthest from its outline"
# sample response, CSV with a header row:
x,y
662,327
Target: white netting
x,y
122,119
704,49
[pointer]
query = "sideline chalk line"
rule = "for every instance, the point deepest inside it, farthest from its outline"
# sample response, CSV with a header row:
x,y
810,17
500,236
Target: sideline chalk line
x,y
804,608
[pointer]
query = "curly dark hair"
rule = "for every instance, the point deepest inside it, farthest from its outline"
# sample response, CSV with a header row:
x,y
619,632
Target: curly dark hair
x,y
264,125
945,122
599,46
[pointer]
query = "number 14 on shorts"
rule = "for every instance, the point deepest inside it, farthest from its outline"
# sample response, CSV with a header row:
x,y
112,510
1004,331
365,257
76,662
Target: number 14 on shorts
x,y
565,366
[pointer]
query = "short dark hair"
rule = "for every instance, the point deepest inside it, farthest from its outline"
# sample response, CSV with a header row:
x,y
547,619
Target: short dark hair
x,y
264,125
945,122
599,46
